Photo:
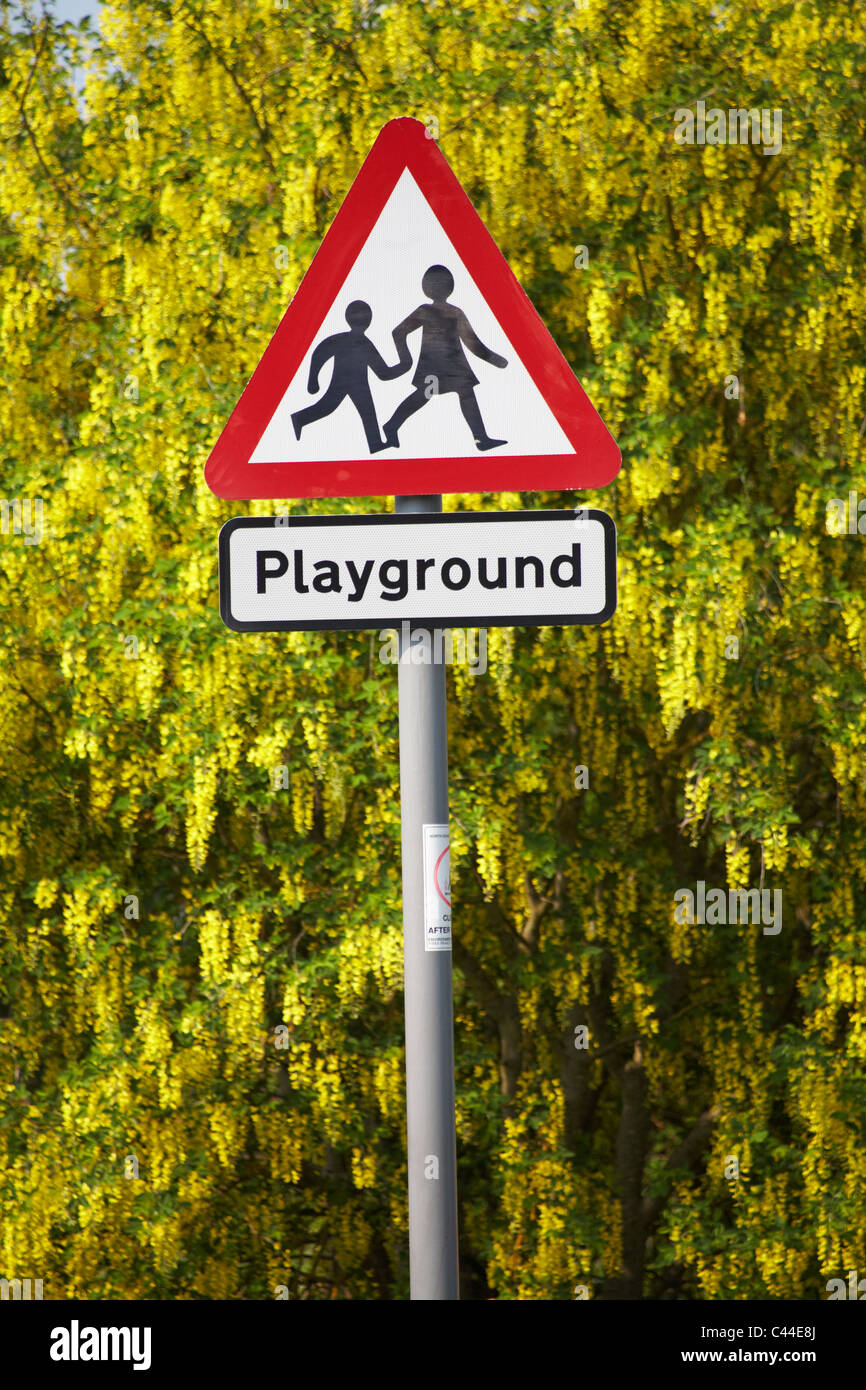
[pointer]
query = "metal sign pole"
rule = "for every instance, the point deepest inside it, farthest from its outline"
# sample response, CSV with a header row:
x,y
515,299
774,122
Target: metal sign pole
x,y
430,1125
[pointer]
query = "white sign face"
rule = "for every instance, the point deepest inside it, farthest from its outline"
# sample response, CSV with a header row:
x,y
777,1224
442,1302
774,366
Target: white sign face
x,y
437,888
446,395
462,569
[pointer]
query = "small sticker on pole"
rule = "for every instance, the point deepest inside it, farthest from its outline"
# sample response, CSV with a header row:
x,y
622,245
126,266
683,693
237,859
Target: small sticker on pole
x,y
437,888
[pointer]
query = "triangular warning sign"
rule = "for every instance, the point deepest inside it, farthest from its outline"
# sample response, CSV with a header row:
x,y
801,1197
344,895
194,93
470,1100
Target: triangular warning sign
x,y
410,360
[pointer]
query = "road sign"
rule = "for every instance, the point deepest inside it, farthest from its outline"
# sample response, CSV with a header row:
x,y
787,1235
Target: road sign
x,y
456,569
410,361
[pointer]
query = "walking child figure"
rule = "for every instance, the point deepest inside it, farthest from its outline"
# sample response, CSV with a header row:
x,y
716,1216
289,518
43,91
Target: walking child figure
x,y
442,364
354,356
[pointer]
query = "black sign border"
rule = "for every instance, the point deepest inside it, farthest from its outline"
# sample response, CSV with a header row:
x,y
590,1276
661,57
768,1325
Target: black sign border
x,y
417,519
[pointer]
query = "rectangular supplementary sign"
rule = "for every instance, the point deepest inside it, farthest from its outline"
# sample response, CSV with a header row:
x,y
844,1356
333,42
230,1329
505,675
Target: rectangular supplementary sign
x,y
466,569
437,887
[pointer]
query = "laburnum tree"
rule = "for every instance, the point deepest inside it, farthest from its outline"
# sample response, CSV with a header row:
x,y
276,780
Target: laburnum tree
x,y
201,1008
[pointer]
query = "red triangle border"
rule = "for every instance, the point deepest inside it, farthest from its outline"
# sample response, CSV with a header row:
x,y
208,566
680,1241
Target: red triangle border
x,y
404,144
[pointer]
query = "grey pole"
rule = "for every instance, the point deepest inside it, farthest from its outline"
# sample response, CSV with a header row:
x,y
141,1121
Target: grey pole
x,y
427,972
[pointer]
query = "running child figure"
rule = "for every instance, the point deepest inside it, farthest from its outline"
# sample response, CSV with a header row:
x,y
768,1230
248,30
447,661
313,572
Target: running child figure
x,y
445,329
354,357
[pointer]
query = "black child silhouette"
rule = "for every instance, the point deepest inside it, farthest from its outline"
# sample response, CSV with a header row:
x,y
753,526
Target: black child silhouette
x,y
354,356
442,364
